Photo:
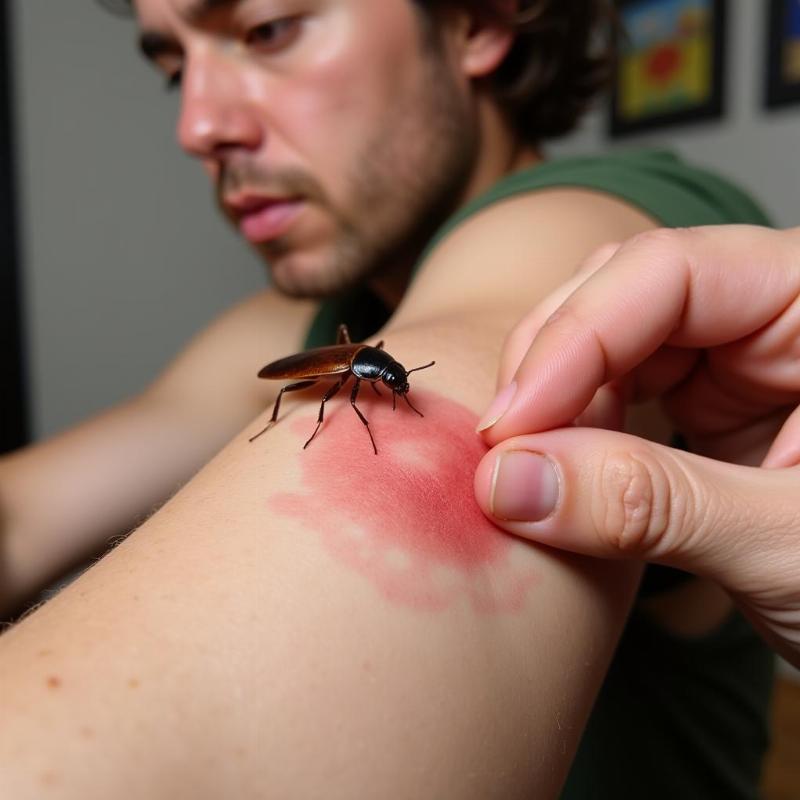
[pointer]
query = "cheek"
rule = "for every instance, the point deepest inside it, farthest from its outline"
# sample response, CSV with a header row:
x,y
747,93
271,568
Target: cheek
x,y
406,519
336,106
320,124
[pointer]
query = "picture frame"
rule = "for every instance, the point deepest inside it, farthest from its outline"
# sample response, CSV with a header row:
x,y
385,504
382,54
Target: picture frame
x,y
782,54
670,69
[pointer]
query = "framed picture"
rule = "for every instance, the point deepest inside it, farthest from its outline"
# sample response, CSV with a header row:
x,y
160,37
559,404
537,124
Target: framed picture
x,y
671,61
783,53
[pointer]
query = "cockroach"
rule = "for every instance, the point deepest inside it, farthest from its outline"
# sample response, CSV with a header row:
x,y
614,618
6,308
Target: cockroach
x,y
339,362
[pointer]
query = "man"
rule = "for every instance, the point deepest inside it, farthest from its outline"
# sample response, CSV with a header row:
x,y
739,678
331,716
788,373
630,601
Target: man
x,y
297,622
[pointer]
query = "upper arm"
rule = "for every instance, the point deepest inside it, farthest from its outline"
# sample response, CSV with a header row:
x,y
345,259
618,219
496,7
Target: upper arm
x,y
328,621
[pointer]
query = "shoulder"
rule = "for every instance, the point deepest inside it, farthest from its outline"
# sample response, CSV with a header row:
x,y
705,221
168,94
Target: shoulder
x,y
665,187
519,248
267,313
529,232
234,346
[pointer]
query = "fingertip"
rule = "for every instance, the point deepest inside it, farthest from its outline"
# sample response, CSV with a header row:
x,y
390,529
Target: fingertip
x,y
516,484
497,408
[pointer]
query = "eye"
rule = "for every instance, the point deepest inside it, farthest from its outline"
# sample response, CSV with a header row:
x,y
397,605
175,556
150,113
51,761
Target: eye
x,y
274,35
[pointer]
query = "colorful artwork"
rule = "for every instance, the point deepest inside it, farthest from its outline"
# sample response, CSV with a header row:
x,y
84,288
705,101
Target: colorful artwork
x,y
791,42
783,53
670,63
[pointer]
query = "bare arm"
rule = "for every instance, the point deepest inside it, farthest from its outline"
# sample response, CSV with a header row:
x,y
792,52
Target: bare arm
x,y
324,622
63,500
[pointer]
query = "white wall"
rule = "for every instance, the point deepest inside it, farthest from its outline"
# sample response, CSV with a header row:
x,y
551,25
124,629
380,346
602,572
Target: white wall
x,y
124,254
759,149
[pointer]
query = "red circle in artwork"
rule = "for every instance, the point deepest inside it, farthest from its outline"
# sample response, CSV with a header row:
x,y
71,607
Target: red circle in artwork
x,y
663,63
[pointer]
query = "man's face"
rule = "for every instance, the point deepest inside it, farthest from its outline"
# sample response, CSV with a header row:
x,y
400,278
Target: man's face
x,y
336,132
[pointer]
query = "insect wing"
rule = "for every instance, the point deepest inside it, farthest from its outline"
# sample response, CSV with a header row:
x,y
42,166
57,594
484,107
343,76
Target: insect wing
x,y
316,363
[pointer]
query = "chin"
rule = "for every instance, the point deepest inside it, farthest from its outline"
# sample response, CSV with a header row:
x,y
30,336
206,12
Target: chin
x,y
303,280
312,275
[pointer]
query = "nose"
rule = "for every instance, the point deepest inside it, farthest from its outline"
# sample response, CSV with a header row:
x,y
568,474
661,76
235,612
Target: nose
x,y
217,115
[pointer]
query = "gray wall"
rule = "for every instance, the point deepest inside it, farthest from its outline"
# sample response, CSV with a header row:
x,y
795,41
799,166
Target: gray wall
x,y
125,256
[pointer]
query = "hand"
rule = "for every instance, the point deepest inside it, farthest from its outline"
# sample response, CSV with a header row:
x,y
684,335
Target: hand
x,y
707,319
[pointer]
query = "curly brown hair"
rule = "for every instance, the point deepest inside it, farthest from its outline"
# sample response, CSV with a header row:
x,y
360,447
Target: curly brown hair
x,y
560,61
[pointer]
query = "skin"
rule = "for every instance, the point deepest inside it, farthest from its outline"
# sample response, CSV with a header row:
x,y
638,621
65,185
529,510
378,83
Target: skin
x,y
424,551
135,455
269,77
717,312
231,646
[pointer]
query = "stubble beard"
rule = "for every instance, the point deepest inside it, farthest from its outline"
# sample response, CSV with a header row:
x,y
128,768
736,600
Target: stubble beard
x,y
404,184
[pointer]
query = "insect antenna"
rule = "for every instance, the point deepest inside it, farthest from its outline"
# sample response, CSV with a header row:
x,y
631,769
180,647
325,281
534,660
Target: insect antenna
x,y
417,369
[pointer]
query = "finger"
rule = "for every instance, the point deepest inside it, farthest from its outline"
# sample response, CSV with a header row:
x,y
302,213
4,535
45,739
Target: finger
x,y
525,331
691,288
613,495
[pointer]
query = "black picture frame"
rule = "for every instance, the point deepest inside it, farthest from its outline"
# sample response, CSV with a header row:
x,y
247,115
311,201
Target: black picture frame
x,y
14,424
783,42
712,104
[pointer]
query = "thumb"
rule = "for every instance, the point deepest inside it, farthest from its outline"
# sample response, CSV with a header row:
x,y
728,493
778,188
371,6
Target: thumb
x,y
614,495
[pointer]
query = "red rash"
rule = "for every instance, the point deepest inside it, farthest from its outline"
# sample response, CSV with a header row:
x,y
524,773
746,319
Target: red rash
x,y
406,519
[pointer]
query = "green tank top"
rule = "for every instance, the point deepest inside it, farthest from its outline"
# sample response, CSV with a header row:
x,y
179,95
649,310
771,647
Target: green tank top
x,y
676,719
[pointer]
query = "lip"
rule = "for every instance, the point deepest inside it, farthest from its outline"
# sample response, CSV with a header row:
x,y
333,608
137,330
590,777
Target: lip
x,y
262,219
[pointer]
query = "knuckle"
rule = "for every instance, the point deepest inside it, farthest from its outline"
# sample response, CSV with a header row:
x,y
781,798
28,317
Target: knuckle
x,y
634,509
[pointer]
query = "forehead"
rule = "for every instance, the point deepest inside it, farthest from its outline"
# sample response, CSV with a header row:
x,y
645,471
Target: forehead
x,y
151,13
367,29
189,10
162,13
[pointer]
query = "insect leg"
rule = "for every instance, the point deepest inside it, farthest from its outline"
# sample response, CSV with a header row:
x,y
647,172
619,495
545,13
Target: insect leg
x,y
405,397
328,395
375,388
353,396
342,335
292,387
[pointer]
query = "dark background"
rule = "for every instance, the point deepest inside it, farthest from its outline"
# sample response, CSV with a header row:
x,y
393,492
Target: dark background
x,y
13,414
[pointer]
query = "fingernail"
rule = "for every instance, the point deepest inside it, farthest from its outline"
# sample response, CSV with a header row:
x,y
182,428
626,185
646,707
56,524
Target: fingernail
x,y
524,487
498,407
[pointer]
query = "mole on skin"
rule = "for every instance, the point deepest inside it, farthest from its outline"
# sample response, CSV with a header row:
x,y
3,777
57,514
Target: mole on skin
x,y
407,519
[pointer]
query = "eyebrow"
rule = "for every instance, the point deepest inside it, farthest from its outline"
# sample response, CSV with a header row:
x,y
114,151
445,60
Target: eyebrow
x,y
153,44
202,8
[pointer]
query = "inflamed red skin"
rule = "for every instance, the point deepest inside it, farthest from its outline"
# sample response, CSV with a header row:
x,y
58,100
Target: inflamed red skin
x,y
407,519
